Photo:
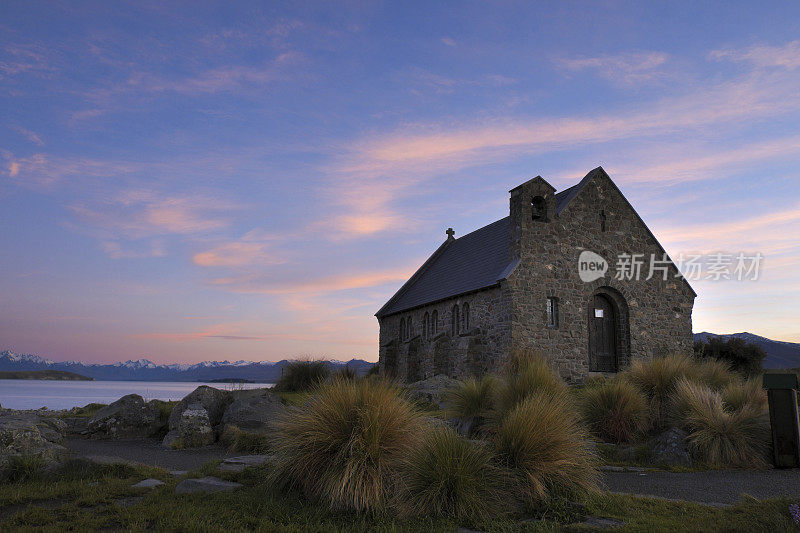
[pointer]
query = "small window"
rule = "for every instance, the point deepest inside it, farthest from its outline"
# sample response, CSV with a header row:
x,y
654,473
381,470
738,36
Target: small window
x,y
552,312
435,323
426,327
602,220
465,319
455,321
598,313
538,208
408,327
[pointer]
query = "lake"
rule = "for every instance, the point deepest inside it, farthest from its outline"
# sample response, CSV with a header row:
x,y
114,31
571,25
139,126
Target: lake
x,y
34,393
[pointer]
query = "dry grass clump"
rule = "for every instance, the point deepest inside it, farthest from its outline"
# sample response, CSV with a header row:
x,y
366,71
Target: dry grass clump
x,y
712,372
302,375
543,443
526,374
345,445
615,410
740,393
721,433
451,476
657,379
472,397
724,438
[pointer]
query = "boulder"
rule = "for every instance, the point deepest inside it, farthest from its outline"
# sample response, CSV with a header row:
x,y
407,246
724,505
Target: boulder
x,y
130,416
214,401
432,390
194,429
149,483
206,484
28,434
671,448
254,412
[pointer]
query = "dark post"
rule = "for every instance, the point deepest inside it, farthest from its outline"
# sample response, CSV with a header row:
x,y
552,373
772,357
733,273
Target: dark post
x,y
782,395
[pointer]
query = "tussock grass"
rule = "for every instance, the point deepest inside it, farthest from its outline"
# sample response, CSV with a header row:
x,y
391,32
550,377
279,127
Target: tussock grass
x,y
542,441
711,372
449,476
345,445
657,379
722,438
615,410
472,398
722,434
237,440
738,394
526,374
302,375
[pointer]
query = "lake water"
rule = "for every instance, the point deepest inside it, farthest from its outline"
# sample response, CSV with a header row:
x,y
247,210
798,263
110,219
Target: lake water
x,y
34,393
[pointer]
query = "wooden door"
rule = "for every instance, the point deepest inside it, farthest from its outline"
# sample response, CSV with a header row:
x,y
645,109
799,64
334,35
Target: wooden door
x,y
602,335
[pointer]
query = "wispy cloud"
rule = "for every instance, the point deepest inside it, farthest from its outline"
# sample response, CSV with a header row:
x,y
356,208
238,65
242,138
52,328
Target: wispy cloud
x,y
24,59
421,81
253,249
786,56
30,136
627,68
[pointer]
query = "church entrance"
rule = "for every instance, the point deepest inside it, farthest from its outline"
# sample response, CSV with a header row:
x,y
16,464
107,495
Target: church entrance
x,y
602,334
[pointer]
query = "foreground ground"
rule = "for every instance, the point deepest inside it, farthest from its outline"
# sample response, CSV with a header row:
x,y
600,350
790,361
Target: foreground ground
x,y
102,497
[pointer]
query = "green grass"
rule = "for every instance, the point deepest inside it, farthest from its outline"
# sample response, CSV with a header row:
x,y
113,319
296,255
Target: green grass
x,y
74,503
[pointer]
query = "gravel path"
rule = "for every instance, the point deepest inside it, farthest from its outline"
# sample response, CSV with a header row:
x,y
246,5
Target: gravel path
x,y
145,451
713,487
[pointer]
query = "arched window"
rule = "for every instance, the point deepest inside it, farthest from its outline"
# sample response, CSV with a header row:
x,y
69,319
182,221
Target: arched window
x,y
538,208
465,319
435,323
455,320
425,327
408,325
402,329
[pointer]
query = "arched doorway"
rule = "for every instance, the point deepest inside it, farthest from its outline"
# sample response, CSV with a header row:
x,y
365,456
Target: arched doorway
x,y
604,333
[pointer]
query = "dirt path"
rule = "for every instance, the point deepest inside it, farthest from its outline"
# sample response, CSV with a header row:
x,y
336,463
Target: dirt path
x,y
145,451
712,487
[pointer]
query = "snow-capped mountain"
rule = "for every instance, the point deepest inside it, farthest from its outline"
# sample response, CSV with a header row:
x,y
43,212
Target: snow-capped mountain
x,y
146,370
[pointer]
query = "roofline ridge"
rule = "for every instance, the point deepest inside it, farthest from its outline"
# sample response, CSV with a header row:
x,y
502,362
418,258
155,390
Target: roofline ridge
x,y
410,281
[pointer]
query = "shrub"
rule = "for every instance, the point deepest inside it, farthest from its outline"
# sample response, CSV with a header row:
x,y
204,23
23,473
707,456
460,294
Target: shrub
x,y
346,372
657,379
543,443
739,394
345,445
450,476
302,375
743,357
472,397
616,410
526,374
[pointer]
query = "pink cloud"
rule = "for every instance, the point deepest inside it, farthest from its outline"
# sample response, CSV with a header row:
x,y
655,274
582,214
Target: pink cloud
x,y
628,68
786,56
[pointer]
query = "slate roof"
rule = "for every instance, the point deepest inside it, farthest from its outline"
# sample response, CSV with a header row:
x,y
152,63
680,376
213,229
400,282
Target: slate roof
x,y
478,260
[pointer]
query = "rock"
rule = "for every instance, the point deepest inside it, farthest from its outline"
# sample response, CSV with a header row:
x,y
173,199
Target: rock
x,y
130,416
206,484
237,464
432,390
671,448
194,428
253,411
28,434
467,426
213,401
148,484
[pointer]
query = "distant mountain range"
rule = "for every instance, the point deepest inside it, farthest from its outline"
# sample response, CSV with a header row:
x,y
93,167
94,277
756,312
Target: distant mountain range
x,y
780,354
146,370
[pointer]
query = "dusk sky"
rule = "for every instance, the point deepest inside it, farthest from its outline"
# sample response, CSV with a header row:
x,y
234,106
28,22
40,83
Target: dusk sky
x,y
195,181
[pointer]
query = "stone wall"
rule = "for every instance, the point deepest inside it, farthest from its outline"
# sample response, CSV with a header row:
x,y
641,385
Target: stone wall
x,y
658,312
473,352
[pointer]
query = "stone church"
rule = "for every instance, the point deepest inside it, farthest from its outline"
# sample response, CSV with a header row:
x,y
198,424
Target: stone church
x,y
576,276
